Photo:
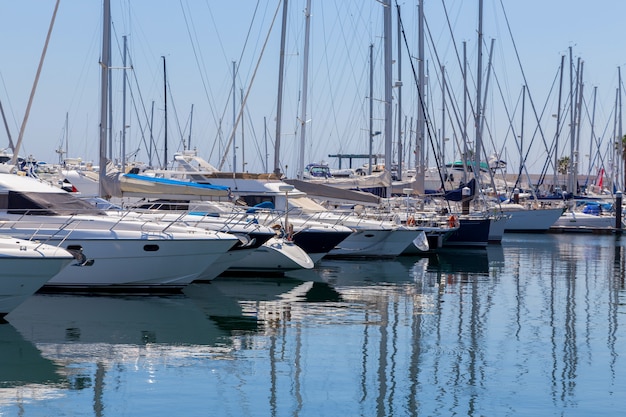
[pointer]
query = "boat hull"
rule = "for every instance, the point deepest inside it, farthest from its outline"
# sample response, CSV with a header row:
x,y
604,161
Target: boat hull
x,y
276,256
471,233
25,268
532,220
497,227
375,243
318,243
583,222
138,265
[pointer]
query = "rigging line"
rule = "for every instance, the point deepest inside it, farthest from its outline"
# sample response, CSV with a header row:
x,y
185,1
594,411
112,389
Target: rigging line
x,y
7,94
553,150
456,49
173,105
511,127
349,65
231,94
32,94
598,141
245,99
450,96
519,62
332,97
465,93
142,102
254,135
198,58
245,43
6,126
421,99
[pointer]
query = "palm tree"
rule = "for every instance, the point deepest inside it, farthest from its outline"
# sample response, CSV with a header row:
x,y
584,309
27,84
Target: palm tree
x,y
563,165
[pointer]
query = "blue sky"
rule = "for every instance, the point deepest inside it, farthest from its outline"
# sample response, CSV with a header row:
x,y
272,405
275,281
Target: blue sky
x,y
201,39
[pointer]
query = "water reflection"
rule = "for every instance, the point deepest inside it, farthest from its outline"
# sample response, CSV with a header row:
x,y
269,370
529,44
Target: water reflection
x,y
23,370
532,326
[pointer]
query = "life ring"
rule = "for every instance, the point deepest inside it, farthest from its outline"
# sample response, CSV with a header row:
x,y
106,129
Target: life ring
x,y
452,221
410,221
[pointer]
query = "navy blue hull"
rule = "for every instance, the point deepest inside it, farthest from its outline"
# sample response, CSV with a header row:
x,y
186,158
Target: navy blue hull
x,y
312,241
471,233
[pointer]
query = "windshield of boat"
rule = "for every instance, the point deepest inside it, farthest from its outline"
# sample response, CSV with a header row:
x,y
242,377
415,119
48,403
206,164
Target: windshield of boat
x,y
305,204
47,204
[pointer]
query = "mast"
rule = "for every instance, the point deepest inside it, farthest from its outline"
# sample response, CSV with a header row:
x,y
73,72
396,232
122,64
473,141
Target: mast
x,y
305,80
442,140
371,100
165,112
620,131
279,106
593,125
572,126
265,167
67,139
109,104
104,92
521,138
465,98
399,85
243,141
420,169
151,135
479,72
558,125
576,154
6,127
388,86
234,118
124,110
190,124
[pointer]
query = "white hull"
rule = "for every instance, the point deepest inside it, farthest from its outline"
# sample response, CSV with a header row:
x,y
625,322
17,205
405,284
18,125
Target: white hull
x,y
531,220
582,222
222,264
24,268
497,227
125,264
375,243
124,255
275,256
112,253
419,246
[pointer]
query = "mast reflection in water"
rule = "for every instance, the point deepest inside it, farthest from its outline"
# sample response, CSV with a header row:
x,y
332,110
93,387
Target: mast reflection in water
x,y
534,326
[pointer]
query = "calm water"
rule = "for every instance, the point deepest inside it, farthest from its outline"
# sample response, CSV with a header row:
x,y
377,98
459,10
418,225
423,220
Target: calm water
x,y
534,327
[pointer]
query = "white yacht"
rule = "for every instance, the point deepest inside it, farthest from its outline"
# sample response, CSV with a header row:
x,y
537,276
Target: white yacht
x,y
260,250
25,267
369,238
114,254
307,245
529,218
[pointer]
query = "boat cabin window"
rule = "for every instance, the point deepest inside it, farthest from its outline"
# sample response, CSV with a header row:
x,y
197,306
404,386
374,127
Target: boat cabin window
x,y
319,171
47,204
253,200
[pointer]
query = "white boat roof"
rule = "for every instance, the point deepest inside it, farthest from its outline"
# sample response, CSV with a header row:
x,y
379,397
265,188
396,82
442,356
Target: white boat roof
x,y
21,183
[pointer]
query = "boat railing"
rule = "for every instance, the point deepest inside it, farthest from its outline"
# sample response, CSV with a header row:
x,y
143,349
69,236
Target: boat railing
x,y
38,235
